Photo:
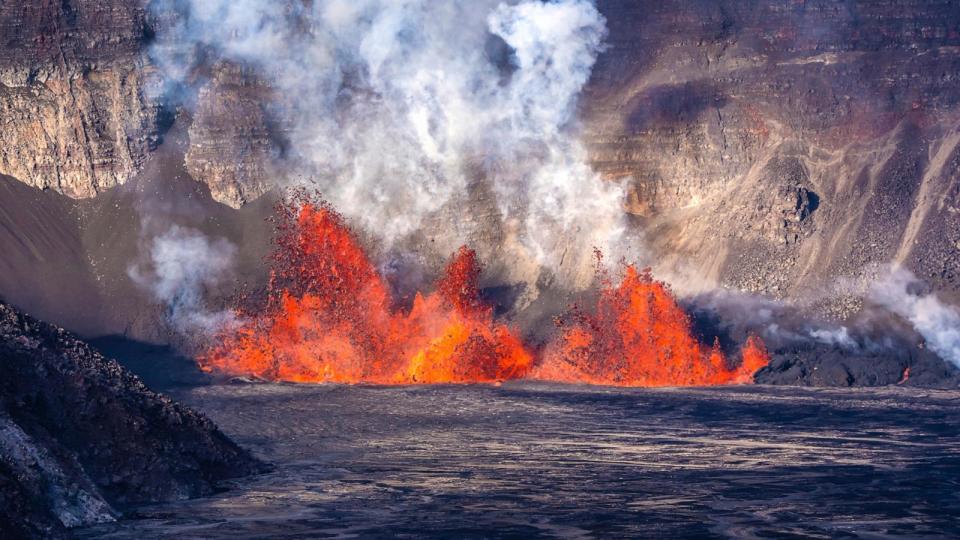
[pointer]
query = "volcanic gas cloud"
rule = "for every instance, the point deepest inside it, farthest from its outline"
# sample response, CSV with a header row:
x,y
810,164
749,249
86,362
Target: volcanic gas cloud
x,y
328,317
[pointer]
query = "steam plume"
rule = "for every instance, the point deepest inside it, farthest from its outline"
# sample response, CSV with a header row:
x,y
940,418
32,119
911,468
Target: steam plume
x,y
395,107
183,265
902,293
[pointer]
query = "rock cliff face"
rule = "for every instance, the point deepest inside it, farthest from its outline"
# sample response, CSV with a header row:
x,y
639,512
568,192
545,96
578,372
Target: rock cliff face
x,y
75,94
81,104
779,147
78,135
81,438
783,147
232,145
69,260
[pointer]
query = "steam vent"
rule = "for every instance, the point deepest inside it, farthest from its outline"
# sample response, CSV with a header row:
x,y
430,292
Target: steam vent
x,y
481,269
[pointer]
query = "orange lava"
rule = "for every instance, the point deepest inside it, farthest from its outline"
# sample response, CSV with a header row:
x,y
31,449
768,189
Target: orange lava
x,y
906,375
328,318
639,336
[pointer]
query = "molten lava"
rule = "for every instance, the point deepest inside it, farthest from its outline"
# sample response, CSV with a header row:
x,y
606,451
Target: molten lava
x,y
328,318
639,336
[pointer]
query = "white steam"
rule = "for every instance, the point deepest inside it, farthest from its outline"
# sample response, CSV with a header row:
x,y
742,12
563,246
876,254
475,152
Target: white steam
x,y
396,106
902,293
839,336
183,265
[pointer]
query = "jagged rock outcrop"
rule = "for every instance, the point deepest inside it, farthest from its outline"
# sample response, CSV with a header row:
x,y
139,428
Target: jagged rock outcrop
x,y
233,139
81,438
78,100
784,147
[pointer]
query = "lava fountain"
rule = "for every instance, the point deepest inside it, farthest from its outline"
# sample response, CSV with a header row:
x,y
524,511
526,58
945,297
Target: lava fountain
x,y
638,335
327,317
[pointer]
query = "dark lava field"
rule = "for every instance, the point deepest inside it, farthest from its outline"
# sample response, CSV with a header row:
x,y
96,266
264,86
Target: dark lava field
x,y
528,460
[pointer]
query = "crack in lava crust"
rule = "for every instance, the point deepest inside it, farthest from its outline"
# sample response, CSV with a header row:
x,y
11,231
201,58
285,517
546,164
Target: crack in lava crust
x,y
327,318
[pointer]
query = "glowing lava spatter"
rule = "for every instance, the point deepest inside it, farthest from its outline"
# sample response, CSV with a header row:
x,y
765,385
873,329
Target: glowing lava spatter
x,y
328,318
639,336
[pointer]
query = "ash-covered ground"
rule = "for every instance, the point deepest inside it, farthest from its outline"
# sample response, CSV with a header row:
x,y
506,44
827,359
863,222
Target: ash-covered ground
x,y
537,460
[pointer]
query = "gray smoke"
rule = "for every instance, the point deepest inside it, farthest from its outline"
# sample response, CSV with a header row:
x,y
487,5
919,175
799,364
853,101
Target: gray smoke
x,y
183,264
902,293
396,106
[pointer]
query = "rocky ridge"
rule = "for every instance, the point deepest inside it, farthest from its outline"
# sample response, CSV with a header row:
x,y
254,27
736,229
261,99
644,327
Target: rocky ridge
x,y
82,439
233,139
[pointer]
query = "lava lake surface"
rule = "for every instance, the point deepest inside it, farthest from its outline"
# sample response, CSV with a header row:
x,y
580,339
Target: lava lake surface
x,y
542,460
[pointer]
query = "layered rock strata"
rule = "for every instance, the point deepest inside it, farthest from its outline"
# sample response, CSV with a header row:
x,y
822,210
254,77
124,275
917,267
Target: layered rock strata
x,y
78,100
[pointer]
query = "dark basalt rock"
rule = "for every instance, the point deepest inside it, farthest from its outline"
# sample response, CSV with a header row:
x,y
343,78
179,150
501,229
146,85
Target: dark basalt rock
x,y
82,439
813,364
874,350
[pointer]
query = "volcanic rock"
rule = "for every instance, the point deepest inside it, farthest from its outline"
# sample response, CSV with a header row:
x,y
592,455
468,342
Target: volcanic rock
x,y
777,146
231,142
68,261
74,94
813,364
81,438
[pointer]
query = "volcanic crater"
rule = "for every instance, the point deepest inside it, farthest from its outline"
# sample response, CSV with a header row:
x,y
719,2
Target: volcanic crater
x,y
526,268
